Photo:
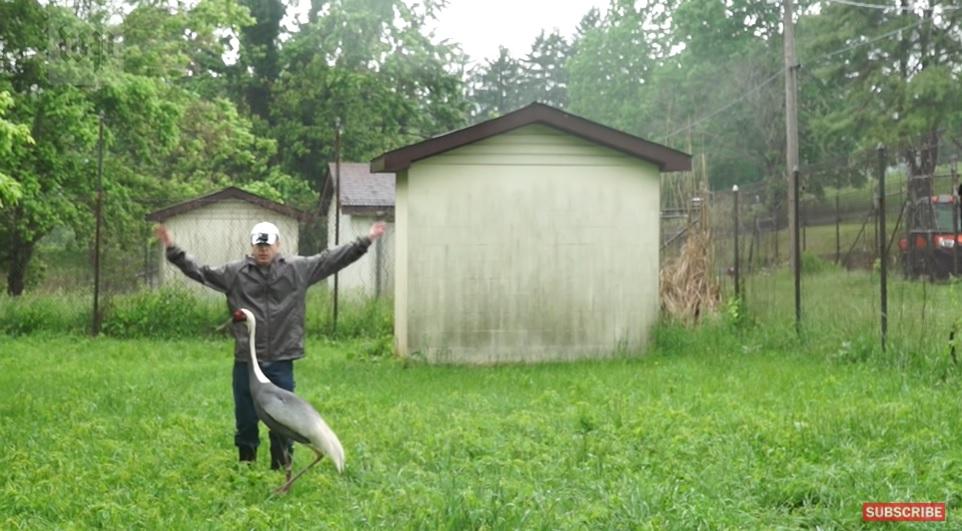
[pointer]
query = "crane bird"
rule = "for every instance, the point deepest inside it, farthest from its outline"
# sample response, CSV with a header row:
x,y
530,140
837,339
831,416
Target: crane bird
x,y
287,414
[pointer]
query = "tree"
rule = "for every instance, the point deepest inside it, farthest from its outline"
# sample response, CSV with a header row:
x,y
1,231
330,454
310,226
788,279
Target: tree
x,y
260,55
497,87
545,72
900,90
11,135
52,174
367,64
610,71
63,72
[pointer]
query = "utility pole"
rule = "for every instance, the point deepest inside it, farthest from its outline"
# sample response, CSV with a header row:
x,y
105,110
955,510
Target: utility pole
x,y
791,151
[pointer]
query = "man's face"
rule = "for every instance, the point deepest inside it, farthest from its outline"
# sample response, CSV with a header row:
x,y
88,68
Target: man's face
x,y
263,253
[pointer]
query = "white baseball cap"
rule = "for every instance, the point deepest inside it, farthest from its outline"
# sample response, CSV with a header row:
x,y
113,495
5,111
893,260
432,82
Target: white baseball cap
x,y
265,232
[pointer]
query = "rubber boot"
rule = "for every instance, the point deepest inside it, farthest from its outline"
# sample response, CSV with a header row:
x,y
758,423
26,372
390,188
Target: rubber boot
x,y
279,443
247,454
279,458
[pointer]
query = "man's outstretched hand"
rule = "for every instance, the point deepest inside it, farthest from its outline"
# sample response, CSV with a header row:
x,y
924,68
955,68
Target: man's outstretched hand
x,y
377,230
163,235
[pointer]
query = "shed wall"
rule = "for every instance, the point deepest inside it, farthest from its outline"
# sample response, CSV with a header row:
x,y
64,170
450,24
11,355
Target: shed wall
x,y
219,233
373,274
527,246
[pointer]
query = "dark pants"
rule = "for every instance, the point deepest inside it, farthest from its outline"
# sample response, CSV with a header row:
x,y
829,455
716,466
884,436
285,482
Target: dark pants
x,y
245,417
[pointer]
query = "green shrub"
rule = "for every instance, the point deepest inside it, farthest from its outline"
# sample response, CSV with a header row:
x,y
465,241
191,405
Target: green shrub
x,y
164,313
32,314
181,313
812,263
358,316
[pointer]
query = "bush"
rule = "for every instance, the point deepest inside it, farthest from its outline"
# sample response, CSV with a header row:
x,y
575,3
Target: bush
x,y
29,314
164,313
181,313
812,264
358,316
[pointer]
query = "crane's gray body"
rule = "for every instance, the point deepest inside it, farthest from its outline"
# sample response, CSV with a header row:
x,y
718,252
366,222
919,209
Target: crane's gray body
x,y
286,413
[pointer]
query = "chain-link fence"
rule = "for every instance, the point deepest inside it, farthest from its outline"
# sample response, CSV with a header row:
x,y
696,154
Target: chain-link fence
x,y
844,245
842,248
132,262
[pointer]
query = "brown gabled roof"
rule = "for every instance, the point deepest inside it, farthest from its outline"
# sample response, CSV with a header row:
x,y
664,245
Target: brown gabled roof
x,y
666,158
361,190
227,193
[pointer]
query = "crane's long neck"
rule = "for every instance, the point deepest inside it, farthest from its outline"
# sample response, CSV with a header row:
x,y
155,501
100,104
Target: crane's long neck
x,y
254,367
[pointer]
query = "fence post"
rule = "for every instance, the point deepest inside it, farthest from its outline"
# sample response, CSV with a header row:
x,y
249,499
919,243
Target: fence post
x,y
955,220
735,214
337,215
838,223
883,256
99,214
797,256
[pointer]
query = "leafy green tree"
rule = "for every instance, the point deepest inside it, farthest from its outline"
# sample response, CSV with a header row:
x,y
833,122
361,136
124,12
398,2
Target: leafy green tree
x,y
900,90
611,68
64,72
11,134
368,65
260,55
545,71
497,87
53,174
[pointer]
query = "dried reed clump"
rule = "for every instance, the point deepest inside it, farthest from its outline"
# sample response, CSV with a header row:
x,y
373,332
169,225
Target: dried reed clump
x,y
688,288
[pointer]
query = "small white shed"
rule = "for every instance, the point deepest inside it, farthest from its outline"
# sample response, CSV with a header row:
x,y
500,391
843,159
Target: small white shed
x,y
216,228
533,236
365,197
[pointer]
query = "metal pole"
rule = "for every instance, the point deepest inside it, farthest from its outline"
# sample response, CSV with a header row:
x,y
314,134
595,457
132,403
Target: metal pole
x,y
797,258
377,269
883,256
337,208
99,214
838,223
955,221
738,292
805,233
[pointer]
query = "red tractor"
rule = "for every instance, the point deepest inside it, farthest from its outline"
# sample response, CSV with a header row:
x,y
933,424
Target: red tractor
x,y
935,230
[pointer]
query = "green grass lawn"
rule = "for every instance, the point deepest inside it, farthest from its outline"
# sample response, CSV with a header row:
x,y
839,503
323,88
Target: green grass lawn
x,y
713,429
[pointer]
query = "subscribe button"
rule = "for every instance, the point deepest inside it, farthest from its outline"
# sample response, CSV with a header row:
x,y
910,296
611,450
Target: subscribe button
x,y
903,512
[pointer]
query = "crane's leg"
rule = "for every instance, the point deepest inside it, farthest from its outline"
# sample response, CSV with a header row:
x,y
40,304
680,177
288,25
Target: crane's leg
x,y
286,486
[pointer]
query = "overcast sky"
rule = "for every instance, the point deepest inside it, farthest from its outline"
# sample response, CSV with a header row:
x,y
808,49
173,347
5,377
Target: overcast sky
x,y
482,25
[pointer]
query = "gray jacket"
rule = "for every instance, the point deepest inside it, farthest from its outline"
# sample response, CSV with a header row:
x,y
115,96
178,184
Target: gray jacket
x,y
275,294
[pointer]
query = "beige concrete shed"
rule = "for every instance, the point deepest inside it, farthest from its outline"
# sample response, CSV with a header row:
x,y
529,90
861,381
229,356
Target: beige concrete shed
x,y
215,229
533,236
363,198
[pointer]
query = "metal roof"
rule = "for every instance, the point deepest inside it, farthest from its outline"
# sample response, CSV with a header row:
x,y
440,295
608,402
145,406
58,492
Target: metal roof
x,y
360,188
230,192
666,158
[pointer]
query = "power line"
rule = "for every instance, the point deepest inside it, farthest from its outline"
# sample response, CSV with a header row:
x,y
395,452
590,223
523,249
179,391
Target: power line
x,y
771,78
711,115
865,43
889,8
